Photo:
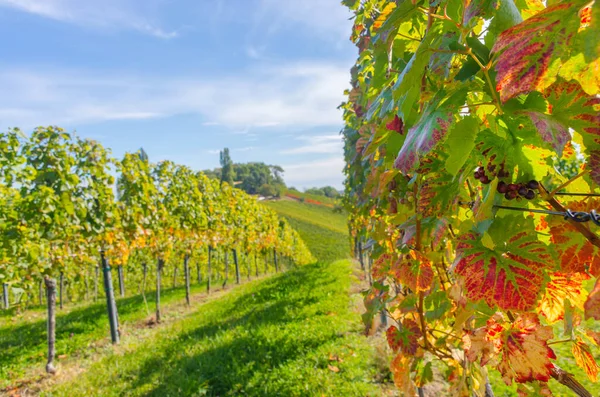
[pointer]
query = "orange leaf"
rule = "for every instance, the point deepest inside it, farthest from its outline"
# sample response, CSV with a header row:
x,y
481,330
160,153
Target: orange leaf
x,y
561,286
414,270
585,359
592,305
577,255
401,371
484,341
333,368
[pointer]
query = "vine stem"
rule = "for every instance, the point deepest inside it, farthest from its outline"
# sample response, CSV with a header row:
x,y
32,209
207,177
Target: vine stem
x,y
422,319
587,233
555,342
567,183
566,379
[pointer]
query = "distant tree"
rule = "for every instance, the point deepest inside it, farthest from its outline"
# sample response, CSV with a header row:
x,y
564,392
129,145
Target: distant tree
x,y
330,191
267,190
249,177
327,191
226,167
213,174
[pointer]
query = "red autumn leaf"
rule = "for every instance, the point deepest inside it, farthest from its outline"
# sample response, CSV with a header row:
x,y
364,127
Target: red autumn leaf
x,y
393,339
381,266
478,8
585,359
396,125
577,255
528,50
405,339
423,137
414,271
560,287
592,305
525,355
510,276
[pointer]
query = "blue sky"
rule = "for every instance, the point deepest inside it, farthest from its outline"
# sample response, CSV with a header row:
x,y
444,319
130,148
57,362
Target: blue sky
x,y
184,78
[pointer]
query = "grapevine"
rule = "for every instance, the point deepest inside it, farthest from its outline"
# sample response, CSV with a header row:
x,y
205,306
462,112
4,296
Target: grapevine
x,y
60,212
469,127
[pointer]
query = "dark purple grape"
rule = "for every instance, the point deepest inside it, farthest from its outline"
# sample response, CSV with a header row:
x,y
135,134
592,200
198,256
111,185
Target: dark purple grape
x,y
491,167
510,195
533,184
522,191
513,187
502,187
530,195
484,179
477,175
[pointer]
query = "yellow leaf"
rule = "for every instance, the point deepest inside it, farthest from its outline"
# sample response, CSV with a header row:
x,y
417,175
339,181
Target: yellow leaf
x,y
585,359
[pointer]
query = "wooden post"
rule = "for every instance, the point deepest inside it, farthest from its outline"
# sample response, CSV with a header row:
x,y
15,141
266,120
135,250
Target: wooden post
x,y
256,263
186,270
159,266
51,324
275,260
360,256
5,299
237,266
121,281
61,290
41,293
226,259
110,299
96,284
209,270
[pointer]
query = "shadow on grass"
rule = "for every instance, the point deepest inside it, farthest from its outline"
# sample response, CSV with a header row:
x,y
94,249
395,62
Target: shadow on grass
x,y
25,344
223,355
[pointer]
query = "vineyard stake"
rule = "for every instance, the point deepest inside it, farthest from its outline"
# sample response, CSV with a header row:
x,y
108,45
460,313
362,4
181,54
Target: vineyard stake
x,y
110,299
51,322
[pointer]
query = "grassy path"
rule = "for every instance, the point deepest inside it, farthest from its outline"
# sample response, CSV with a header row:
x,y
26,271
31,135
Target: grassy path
x,y
82,332
290,335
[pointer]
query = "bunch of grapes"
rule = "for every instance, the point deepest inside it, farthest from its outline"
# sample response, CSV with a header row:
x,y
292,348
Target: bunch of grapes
x,y
511,191
408,199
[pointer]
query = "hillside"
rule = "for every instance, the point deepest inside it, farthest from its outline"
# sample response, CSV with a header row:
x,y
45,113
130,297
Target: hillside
x,y
292,334
324,231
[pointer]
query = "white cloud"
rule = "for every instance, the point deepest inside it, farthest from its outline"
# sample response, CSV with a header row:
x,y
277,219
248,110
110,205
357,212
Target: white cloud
x,y
300,94
106,14
327,19
324,144
316,173
243,149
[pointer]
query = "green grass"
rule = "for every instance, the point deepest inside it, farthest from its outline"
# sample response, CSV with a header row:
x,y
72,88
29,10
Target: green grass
x,y
317,215
325,232
23,343
278,337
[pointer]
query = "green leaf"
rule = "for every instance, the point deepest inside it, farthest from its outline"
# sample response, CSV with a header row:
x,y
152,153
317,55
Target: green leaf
x,y
460,143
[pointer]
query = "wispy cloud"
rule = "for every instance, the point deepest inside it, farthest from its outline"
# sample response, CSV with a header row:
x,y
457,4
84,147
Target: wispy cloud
x,y
243,149
322,144
315,173
323,18
300,94
106,14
